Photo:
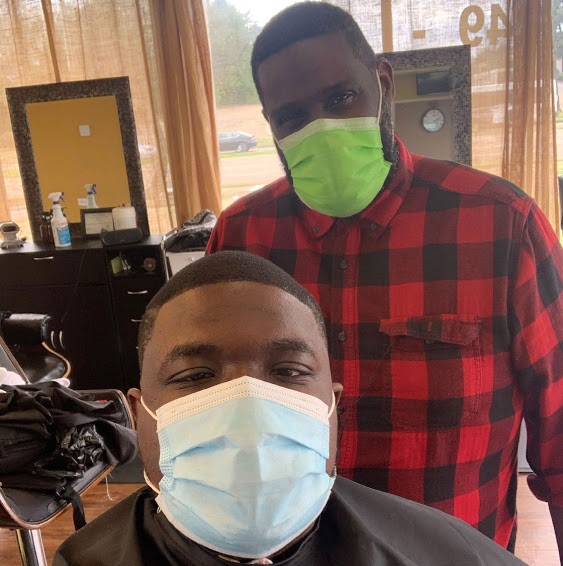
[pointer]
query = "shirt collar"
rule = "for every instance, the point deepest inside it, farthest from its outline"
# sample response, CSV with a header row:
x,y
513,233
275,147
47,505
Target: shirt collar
x,y
381,210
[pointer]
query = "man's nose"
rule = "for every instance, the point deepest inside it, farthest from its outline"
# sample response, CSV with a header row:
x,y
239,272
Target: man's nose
x,y
239,369
317,112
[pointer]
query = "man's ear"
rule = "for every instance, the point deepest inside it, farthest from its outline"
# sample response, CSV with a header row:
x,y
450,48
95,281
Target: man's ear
x,y
134,398
337,389
385,72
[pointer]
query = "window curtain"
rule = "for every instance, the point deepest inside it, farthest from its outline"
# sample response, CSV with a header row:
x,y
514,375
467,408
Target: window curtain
x,y
46,41
513,117
530,156
183,59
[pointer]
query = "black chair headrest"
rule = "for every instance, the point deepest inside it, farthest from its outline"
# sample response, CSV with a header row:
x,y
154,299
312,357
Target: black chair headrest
x,y
24,329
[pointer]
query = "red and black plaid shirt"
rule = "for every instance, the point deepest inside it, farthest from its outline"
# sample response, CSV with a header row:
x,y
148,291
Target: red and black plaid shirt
x,y
444,309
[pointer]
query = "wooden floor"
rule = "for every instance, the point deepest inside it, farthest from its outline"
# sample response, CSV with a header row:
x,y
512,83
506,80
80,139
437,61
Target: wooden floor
x,y
535,546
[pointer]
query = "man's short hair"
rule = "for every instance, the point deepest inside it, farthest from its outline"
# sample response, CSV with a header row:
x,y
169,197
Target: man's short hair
x,y
225,267
305,21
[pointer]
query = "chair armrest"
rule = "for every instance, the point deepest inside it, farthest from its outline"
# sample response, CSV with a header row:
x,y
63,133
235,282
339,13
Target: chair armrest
x,y
8,361
28,509
115,395
33,509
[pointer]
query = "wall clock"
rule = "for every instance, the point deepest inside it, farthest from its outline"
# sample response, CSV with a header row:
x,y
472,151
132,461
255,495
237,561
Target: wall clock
x,y
433,120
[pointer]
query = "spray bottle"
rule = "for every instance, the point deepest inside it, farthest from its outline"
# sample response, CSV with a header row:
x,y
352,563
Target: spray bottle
x,y
91,193
59,223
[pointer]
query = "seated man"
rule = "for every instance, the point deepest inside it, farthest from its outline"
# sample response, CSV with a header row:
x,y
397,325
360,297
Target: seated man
x,y
237,402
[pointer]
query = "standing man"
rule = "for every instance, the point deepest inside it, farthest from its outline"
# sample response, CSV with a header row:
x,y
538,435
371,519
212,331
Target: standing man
x,y
440,284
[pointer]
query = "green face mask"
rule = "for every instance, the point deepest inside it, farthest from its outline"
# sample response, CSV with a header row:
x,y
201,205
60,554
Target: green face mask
x,y
337,165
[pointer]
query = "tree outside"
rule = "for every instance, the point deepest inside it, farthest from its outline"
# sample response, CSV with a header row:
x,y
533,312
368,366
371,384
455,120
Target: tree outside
x,y
232,34
557,34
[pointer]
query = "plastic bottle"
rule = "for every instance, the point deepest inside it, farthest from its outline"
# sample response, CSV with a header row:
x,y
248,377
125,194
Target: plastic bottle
x,y
91,193
59,223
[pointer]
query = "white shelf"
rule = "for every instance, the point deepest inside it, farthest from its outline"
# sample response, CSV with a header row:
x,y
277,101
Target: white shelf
x,y
426,98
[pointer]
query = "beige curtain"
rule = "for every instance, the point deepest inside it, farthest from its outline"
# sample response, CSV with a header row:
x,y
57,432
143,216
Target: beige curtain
x,y
530,157
45,41
4,210
513,118
184,64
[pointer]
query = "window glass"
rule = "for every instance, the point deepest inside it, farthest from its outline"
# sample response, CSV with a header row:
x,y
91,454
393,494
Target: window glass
x,y
247,154
557,22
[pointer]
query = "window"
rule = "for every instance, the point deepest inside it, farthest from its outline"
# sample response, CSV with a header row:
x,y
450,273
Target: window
x,y
557,23
248,158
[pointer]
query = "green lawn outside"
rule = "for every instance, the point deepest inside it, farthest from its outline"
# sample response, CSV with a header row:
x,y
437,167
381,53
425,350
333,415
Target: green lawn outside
x,y
250,153
268,142
559,126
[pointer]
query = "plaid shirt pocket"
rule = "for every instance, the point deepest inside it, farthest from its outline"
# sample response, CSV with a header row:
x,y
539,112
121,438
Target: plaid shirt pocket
x,y
435,370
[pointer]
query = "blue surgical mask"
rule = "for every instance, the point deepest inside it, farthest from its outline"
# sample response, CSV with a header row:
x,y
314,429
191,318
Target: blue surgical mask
x,y
244,465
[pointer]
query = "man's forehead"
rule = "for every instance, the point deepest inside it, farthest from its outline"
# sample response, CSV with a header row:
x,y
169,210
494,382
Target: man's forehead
x,y
226,304
229,316
307,66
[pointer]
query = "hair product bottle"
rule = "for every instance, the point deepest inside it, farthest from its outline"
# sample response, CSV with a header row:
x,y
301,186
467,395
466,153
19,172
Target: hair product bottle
x,y
59,223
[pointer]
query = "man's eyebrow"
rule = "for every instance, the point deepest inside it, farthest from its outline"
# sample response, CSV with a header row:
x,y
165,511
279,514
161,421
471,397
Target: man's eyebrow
x,y
190,349
291,345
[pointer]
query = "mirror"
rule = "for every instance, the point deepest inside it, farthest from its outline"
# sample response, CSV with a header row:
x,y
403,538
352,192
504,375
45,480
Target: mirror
x,y
71,134
434,119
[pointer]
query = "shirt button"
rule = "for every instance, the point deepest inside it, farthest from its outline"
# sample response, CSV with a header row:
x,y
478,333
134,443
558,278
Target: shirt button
x,y
373,226
316,228
428,341
343,264
342,336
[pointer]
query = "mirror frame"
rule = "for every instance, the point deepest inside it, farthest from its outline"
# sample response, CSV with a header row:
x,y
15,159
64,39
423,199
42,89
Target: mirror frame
x,y
457,60
19,97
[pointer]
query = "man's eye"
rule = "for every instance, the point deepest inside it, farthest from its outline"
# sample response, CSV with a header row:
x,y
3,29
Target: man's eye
x,y
343,98
190,376
287,372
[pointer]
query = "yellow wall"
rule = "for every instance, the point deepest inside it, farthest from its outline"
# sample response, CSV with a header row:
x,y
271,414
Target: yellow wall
x,y
66,161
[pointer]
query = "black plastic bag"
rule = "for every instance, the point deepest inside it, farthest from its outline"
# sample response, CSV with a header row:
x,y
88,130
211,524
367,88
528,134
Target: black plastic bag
x,y
193,234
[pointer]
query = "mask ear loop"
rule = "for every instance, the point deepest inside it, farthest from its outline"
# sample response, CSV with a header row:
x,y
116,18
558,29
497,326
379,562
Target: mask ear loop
x,y
330,411
147,481
332,406
380,97
148,410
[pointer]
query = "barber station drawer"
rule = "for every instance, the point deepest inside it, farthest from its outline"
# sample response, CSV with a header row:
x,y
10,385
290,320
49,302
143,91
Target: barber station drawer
x,y
131,297
135,292
53,268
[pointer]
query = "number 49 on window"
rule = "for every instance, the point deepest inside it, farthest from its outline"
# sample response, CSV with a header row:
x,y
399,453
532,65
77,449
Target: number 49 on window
x,y
472,21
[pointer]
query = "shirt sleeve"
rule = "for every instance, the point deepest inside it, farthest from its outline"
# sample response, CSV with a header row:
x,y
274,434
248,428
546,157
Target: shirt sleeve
x,y
536,326
213,245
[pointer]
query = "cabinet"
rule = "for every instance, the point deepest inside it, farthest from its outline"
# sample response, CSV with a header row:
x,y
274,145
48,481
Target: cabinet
x,y
96,310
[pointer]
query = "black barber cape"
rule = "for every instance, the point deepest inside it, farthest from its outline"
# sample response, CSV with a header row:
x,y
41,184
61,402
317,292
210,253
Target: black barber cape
x,y
359,526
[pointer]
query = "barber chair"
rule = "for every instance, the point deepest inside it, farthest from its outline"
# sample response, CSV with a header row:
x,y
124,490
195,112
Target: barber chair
x,y
34,343
26,512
